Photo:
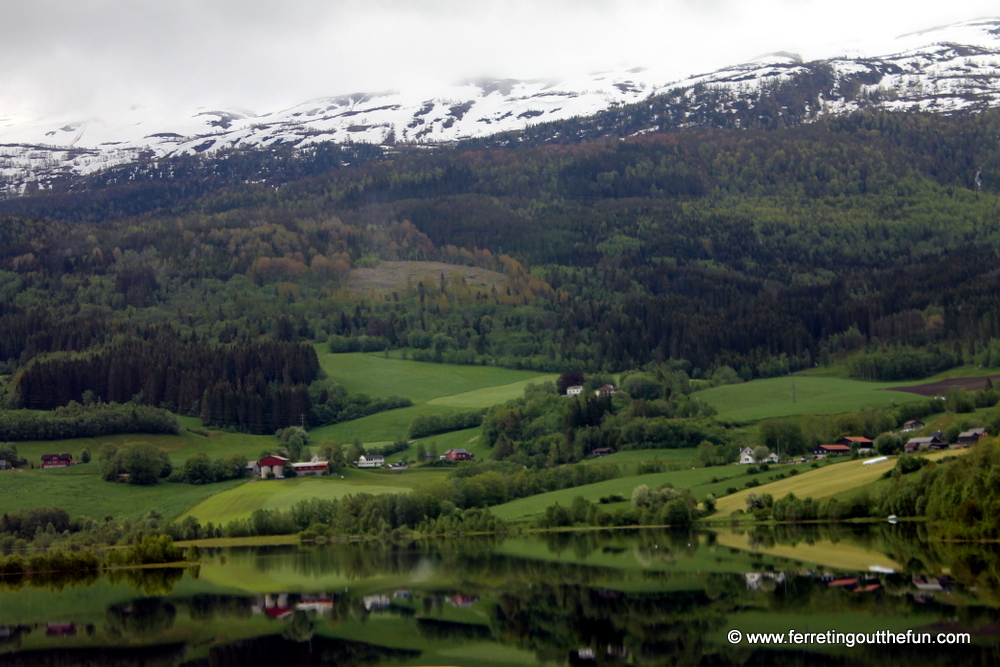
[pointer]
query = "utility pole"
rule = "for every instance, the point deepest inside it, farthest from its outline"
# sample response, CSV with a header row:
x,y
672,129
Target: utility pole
x,y
793,390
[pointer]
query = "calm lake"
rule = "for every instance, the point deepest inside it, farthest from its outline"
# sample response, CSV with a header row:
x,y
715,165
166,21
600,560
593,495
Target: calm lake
x,y
644,597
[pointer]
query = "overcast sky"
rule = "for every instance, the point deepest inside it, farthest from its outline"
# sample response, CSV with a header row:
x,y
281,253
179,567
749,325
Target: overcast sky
x,y
61,57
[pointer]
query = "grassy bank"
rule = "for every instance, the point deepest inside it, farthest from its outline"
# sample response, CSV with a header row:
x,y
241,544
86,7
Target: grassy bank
x,y
822,483
242,501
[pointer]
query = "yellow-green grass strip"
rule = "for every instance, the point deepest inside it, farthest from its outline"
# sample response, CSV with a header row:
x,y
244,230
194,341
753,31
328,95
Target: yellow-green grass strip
x,y
698,480
840,555
820,483
281,494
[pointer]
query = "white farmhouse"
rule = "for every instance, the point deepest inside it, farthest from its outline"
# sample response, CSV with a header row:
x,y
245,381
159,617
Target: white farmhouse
x,y
371,461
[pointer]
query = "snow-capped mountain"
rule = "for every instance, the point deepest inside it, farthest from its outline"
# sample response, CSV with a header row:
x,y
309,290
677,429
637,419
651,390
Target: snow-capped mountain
x,y
940,70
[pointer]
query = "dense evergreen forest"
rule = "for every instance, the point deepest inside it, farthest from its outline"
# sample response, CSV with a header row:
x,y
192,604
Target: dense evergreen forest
x,y
762,250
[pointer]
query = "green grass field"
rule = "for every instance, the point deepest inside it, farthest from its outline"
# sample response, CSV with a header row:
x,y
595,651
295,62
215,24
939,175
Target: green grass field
x,y
699,480
240,502
179,447
435,389
822,482
840,371
467,439
421,382
772,397
81,491
628,460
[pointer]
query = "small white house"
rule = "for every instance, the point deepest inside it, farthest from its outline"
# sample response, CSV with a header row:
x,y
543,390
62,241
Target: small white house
x,y
575,390
746,457
371,461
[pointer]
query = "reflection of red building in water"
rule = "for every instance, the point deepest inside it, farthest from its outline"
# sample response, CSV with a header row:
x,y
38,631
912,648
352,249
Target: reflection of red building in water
x,y
317,604
60,629
274,606
854,585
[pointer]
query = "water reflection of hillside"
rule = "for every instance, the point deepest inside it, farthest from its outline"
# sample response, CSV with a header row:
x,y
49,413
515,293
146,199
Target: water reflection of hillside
x,y
593,598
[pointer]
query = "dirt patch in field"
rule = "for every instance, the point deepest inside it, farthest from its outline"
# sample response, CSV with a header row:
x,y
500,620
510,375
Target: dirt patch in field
x,y
389,276
940,388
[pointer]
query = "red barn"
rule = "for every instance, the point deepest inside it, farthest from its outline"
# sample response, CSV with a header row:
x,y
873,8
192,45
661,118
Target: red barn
x,y
314,468
458,455
861,444
57,460
272,466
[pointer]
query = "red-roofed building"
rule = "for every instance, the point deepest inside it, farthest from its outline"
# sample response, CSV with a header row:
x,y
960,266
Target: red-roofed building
x,y
311,468
843,583
861,444
272,466
57,460
60,629
458,455
831,450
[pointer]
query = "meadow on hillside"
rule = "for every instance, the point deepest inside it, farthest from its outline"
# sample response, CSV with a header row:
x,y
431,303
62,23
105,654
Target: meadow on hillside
x,y
775,397
435,389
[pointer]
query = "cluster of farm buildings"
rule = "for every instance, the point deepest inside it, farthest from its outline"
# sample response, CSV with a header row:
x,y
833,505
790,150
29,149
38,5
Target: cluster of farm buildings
x,y
864,446
273,466
606,390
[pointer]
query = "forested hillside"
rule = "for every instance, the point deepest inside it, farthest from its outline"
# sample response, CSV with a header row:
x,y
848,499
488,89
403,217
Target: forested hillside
x,y
765,250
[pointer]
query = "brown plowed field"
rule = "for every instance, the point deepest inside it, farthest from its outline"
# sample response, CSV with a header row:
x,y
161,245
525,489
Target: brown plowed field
x,y
940,388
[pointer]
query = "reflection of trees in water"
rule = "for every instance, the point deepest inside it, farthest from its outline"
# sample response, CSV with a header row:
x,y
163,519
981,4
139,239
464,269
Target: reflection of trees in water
x,y
140,619
10,637
299,627
354,560
164,655
656,628
148,618
206,607
648,545
975,565
52,581
272,650
434,628
149,582
555,607
688,627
